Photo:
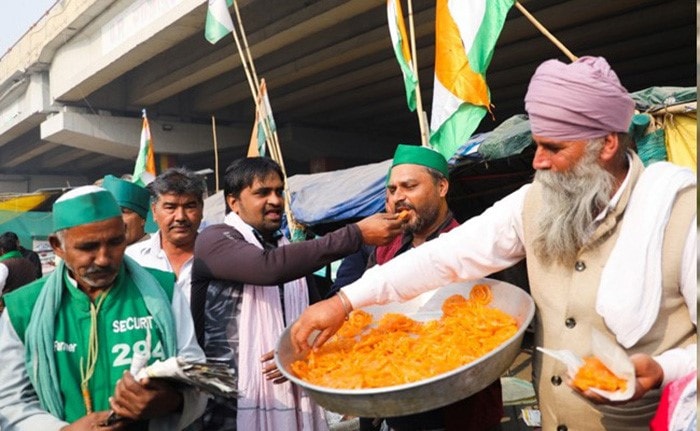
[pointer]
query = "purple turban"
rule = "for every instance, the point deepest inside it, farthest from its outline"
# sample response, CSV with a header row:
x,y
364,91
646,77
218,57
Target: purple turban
x,y
577,101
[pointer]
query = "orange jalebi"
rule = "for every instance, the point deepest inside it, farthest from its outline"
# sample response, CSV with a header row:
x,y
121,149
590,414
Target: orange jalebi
x,y
595,374
401,350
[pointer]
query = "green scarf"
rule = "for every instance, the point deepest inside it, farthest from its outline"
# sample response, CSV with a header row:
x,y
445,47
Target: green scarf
x,y
39,338
10,255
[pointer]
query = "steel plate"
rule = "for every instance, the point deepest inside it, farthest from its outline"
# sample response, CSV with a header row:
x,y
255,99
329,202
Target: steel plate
x,y
436,391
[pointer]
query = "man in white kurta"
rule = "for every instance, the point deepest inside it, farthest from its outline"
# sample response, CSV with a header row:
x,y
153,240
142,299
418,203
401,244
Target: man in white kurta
x,y
177,205
610,246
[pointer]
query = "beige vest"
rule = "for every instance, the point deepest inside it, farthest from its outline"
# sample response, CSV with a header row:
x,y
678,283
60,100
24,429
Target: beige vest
x,y
566,297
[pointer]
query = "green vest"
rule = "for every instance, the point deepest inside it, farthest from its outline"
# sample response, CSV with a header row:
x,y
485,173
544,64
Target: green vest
x,y
122,323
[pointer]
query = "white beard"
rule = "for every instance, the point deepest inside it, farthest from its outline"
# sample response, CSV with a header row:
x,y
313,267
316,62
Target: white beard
x,y
570,203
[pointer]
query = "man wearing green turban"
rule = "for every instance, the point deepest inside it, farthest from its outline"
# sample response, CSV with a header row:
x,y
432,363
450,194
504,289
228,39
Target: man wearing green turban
x,y
133,200
68,340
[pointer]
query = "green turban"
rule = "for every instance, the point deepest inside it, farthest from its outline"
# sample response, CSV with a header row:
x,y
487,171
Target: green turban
x,y
418,155
128,194
83,205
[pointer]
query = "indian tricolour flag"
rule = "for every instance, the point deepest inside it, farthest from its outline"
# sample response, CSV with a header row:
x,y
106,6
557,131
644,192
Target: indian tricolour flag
x,y
145,166
218,23
466,32
399,41
263,121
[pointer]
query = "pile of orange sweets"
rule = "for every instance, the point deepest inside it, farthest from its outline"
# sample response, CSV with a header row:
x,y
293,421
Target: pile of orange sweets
x,y
399,350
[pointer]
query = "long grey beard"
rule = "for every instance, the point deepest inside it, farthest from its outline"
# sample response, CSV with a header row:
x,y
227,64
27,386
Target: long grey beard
x,y
570,203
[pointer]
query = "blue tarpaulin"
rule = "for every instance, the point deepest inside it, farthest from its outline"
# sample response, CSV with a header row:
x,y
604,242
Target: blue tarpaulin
x,y
336,196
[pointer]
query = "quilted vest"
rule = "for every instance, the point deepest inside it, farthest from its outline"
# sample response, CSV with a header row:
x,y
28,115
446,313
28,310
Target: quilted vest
x,y
566,297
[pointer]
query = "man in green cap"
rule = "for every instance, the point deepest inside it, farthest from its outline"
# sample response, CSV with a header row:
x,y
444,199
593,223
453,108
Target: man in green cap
x,y
133,200
15,270
416,189
68,340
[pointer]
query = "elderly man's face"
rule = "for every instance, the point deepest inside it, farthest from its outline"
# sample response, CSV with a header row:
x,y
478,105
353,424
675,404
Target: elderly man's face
x,y
93,252
178,217
572,198
412,188
134,225
557,156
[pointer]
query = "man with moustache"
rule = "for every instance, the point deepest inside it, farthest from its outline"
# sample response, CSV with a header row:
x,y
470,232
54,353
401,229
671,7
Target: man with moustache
x,y
67,340
417,188
249,282
610,246
177,204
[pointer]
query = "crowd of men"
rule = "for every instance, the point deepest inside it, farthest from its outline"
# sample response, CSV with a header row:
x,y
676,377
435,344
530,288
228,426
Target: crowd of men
x,y
610,246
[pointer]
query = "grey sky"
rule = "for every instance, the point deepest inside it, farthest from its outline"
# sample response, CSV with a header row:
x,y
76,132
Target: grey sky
x,y
16,20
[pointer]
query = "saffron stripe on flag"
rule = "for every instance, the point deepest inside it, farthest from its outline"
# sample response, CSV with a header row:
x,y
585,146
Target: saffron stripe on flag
x,y
466,34
145,166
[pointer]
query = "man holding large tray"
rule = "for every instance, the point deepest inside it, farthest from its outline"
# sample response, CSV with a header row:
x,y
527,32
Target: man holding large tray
x,y
610,246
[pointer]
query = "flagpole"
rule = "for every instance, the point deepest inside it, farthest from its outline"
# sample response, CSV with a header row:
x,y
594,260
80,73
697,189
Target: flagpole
x,y
546,32
270,136
253,85
252,81
414,65
216,152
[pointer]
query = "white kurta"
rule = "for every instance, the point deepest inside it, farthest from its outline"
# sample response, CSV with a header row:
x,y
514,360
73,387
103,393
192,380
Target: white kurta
x,y
150,254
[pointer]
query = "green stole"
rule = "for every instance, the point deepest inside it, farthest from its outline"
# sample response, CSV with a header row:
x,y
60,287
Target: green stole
x,y
56,345
10,255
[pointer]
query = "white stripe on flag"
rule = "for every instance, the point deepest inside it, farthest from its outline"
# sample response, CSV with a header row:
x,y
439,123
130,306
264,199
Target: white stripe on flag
x,y
444,105
468,16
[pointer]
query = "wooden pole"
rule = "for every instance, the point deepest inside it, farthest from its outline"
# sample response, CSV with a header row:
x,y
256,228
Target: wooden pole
x,y
414,66
249,57
248,69
216,152
271,136
546,32
676,109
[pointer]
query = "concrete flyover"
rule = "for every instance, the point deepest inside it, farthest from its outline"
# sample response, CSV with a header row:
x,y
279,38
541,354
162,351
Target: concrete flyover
x,y
73,87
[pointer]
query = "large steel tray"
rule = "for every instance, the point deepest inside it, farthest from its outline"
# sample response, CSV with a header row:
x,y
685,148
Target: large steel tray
x,y
436,391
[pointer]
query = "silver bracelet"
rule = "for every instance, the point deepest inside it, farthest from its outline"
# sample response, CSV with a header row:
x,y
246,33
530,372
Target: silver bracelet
x,y
346,304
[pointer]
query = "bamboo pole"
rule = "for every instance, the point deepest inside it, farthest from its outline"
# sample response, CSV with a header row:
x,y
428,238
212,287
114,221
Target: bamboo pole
x,y
414,66
269,133
681,108
216,152
546,32
271,137
249,72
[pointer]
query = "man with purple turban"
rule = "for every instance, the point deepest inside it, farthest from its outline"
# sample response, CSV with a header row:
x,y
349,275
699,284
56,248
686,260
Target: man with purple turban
x,y
610,246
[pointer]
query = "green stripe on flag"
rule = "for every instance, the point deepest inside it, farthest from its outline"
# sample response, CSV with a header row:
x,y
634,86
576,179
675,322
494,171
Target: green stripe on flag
x,y
409,78
481,51
457,130
218,23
